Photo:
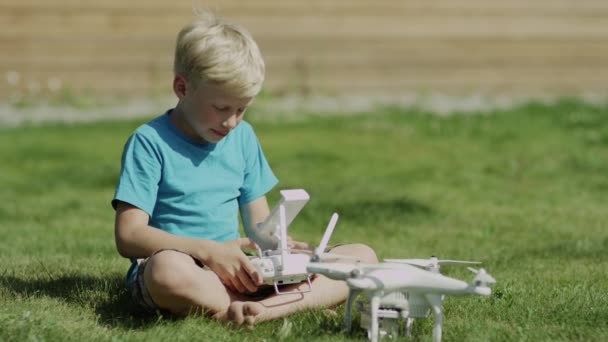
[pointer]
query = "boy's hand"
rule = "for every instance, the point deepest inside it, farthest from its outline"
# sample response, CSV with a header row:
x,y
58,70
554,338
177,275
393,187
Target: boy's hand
x,y
298,244
233,267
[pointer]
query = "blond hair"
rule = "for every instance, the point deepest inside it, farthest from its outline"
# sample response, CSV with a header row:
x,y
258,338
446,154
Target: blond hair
x,y
211,50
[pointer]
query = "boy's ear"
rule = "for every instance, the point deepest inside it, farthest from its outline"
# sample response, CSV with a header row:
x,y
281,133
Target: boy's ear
x,y
179,86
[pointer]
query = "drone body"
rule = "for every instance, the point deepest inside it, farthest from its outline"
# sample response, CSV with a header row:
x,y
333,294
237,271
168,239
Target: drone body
x,y
395,290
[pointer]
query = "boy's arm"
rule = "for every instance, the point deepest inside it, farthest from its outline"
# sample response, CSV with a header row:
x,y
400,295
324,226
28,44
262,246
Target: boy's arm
x,y
136,239
254,212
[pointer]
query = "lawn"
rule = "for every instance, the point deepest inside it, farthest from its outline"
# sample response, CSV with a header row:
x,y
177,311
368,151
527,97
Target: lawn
x,y
523,190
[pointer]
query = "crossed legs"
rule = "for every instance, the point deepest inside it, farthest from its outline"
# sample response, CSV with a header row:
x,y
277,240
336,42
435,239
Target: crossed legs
x,y
177,284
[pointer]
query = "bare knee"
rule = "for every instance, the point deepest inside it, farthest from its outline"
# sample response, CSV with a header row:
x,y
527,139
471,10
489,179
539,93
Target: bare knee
x,y
366,253
169,273
176,283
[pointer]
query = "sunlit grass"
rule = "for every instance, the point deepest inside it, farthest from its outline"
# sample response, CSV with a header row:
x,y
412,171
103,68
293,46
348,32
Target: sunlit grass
x,y
523,190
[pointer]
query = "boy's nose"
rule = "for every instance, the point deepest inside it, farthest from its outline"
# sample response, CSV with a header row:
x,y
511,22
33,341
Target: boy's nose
x,y
231,122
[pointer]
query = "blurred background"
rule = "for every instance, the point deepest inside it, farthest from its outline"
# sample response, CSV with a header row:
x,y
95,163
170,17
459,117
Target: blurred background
x,y
72,50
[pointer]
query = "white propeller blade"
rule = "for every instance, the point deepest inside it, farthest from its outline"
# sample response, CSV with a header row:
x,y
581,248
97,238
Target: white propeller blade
x,y
429,262
322,256
333,256
414,262
301,251
445,261
332,270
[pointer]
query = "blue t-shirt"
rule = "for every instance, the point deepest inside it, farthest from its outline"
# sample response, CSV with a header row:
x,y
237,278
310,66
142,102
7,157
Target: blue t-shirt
x,y
192,188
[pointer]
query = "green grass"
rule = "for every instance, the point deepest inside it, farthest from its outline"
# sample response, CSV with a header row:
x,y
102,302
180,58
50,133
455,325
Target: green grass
x,y
524,190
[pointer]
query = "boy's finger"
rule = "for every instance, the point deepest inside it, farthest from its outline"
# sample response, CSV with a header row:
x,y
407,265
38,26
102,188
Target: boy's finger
x,y
228,284
252,272
247,281
236,282
245,242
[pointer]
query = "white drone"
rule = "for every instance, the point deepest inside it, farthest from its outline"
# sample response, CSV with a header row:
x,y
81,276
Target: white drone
x,y
397,290
278,264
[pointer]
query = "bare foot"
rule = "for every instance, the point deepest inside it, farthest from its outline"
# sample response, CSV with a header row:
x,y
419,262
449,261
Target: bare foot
x,y
246,313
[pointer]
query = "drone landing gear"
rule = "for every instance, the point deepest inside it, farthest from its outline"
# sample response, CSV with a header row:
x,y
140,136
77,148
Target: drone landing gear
x,y
388,324
375,306
409,323
435,301
388,321
352,294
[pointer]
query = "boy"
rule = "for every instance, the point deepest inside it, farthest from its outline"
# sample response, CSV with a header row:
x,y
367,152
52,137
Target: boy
x,y
184,177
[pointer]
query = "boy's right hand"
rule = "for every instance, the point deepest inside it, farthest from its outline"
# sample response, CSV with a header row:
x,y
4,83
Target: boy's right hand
x,y
232,266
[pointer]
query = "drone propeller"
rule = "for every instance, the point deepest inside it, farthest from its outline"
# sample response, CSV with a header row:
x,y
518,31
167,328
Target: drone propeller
x,y
346,271
332,256
301,251
322,256
427,263
334,271
481,276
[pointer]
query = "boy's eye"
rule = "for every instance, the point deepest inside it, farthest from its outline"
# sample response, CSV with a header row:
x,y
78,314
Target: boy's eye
x,y
222,108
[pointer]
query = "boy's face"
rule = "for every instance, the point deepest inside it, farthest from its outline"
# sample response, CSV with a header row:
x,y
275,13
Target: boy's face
x,y
210,111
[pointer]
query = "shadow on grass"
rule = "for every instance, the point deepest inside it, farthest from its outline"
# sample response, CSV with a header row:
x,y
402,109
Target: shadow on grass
x,y
107,296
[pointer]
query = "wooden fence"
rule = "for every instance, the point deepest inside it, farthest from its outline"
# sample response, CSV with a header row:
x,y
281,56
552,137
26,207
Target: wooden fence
x,y
456,47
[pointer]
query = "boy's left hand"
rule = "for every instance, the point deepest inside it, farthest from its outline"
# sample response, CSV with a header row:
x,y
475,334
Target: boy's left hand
x,y
298,244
